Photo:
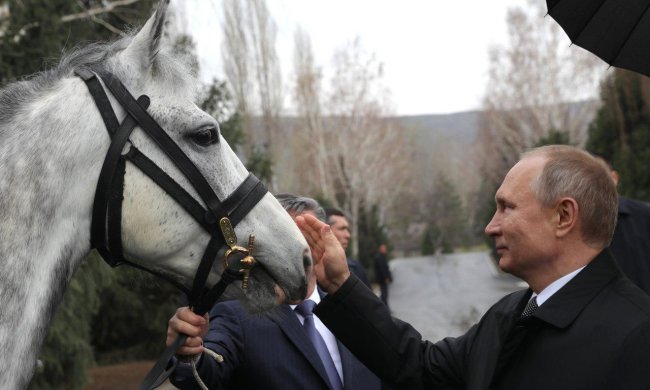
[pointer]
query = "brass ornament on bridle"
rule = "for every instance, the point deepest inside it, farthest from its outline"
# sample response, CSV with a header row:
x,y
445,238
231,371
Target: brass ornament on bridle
x,y
248,262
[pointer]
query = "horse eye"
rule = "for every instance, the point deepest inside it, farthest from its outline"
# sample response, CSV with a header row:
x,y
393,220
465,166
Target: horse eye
x,y
206,136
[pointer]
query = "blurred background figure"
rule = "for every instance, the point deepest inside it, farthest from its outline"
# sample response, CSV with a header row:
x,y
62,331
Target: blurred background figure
x,y
382,272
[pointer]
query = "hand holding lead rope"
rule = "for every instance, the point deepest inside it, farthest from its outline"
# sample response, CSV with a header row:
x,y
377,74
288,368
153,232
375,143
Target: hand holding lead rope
x,y
248,262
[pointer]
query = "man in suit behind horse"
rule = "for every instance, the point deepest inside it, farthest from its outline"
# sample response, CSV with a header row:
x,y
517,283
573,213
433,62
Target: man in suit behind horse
x,y
269,350
581,325
338,221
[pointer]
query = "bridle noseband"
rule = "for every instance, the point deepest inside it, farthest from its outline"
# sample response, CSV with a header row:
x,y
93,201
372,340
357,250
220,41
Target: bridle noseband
x,y
218,218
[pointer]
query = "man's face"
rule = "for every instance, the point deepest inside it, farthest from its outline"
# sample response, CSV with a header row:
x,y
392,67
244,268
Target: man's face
x,y
521,228
341,230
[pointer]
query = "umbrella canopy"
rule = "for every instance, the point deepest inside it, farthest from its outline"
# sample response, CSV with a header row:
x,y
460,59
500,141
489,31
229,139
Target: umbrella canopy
x,y
618,31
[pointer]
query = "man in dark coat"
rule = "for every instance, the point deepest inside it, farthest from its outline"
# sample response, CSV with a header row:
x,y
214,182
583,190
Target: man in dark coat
x,y
383,275
267,350
631,243
581,325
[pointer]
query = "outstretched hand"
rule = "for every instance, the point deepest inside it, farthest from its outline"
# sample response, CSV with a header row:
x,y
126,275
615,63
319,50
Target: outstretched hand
x,y
193,325
329,258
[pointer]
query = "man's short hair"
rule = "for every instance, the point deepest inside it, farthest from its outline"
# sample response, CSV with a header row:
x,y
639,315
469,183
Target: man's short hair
x,y
330,211
297,205
607,161
574,173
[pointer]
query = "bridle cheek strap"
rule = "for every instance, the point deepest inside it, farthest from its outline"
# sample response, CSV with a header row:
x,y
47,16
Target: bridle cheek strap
x,y
107,208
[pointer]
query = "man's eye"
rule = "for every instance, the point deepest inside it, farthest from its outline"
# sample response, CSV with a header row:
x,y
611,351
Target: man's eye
x,y
206,136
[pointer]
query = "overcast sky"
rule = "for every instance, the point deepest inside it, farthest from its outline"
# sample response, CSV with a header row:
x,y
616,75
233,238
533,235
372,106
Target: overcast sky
x,y
435,53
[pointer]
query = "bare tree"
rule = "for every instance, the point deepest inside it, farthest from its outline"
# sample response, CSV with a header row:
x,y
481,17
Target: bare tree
x,y
350,149
539,87
253,70
235,52
537,84
307,98
368,154
263,33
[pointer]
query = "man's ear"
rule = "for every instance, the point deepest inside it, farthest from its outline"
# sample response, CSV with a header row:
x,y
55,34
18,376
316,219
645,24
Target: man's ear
x,y
567,212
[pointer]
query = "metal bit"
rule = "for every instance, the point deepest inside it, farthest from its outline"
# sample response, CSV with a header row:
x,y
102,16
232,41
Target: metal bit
x,y
248,262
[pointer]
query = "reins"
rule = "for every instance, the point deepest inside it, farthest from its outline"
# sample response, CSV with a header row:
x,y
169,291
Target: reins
x,y
218,218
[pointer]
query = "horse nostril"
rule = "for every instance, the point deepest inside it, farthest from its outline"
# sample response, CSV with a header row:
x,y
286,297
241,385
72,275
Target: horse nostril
x,y
306,259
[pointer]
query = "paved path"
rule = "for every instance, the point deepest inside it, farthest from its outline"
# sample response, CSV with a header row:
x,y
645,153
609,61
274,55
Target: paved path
x,y
444,295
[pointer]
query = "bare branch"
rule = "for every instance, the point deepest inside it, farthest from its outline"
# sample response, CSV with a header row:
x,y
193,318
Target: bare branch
x,y
90,14
109,7
103,23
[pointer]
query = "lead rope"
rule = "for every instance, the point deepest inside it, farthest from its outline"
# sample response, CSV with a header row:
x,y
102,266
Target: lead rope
x,y
247,263
218,358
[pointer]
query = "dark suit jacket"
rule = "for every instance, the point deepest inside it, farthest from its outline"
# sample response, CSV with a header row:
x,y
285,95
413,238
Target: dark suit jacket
x,y
594,333
631,243
357,269
266,351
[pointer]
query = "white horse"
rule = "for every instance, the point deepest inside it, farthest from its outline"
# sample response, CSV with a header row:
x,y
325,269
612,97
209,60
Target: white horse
x,y
52,146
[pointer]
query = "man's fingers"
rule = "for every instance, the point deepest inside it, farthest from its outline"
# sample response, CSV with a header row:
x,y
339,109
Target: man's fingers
x,y
306,226
171,336
193,342
187,315
177,325
320,230
312,234
192,346
313,228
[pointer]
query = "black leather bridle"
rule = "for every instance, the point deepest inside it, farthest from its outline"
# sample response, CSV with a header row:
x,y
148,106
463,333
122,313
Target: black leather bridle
x,y
219,219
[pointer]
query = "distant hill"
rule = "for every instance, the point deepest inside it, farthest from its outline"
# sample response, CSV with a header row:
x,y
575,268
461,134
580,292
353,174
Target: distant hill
x,y
461,127
440,141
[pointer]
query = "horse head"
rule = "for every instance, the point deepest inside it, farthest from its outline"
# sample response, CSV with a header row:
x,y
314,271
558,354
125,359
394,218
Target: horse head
x,y
157,233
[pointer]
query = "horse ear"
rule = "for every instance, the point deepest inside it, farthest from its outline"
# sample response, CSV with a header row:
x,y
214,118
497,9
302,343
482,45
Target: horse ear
x,y
146,43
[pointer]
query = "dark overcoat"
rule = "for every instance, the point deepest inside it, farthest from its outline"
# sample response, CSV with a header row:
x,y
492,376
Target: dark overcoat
x,y
631,243
594,333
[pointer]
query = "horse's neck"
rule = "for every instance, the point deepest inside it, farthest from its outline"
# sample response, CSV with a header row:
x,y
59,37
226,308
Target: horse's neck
x,y
48,171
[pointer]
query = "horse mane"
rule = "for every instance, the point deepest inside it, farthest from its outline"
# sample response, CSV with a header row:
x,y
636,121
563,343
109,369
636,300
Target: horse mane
x,y
17,94
174,69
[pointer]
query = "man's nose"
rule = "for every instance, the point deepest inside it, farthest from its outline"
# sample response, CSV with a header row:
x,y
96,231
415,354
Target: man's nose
x,y
492,227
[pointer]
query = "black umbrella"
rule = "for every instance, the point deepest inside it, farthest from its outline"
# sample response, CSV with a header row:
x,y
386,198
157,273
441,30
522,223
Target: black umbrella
x,y
618,31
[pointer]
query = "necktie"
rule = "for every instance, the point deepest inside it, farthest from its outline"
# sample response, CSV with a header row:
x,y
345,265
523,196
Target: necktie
x,y
513,342
305,309
531,306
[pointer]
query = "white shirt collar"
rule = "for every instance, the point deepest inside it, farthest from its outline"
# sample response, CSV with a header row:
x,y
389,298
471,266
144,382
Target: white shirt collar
x,y
554,287
315,296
